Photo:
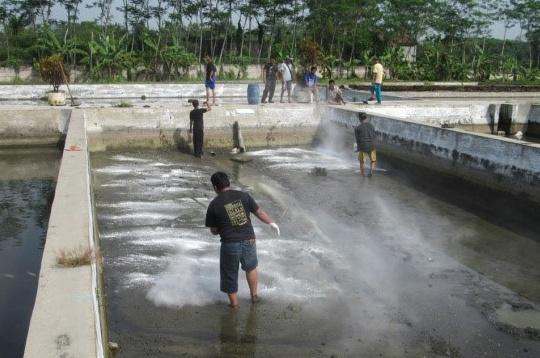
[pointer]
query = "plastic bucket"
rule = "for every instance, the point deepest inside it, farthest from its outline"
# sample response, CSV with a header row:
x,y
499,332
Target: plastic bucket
x,y
253,93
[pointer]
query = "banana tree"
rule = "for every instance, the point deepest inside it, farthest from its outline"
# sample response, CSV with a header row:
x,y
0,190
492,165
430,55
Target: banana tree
x,y
107,57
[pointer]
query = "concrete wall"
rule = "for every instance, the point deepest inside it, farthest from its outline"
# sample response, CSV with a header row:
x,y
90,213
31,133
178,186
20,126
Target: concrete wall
x,y
65,321
187,90
37,163
253,72
501,163
533,128
121,128
228,91
22,126
482,117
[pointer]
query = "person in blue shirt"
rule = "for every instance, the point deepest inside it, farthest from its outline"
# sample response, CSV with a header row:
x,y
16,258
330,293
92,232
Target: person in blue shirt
x,y
210,80
312,81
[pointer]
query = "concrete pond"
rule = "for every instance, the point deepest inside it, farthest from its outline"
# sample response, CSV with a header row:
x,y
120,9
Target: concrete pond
x,y
27,183
393,265
435,255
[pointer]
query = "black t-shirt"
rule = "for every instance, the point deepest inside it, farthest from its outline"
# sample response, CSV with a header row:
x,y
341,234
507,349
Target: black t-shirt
x,y
229,212
271,71
210,71
365,137
196,118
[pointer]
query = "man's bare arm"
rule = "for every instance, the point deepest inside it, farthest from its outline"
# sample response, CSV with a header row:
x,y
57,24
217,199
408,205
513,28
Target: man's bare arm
x,y
263,216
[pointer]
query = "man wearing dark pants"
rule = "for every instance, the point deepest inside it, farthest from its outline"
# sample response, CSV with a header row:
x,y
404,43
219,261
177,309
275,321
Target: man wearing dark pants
x,y
196,126
269,77
229,216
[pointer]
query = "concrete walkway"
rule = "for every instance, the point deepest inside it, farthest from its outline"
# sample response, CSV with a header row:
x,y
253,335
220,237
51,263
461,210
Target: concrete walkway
x,y
64,320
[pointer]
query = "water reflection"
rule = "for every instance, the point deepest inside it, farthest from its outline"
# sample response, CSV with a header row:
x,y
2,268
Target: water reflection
x,y
26,191
238,336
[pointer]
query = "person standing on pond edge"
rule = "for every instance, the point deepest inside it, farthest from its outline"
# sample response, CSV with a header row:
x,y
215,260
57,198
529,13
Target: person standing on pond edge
x,y
270,71
312,82
229,216
377,78
364,134
286,71
196,127
210,80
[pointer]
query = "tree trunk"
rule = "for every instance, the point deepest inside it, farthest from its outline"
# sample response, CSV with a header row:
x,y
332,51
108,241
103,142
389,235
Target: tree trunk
x,y
249,38
200,41
352,47
223,46
242,42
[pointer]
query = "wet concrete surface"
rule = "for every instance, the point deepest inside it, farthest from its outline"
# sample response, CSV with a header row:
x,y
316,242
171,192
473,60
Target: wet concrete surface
x,y
25,197
406,263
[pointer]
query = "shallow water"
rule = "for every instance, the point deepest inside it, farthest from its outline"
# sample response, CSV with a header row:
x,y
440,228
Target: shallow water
x,y
394,265
25,193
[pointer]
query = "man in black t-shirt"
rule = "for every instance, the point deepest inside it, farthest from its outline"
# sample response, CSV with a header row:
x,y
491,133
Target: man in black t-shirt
x,y
364,134
210,80
228,216
196,126
270,71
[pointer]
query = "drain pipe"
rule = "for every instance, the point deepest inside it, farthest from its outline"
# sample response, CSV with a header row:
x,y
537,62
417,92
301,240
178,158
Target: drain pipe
x,y
97,317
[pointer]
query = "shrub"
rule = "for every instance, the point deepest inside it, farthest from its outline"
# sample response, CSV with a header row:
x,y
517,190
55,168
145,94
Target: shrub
x,y
52,71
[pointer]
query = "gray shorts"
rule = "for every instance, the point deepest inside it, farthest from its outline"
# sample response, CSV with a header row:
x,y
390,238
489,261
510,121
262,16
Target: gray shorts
x,y
288,85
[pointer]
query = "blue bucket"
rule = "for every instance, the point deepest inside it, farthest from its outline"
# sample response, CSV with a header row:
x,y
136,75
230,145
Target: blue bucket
x,y
253,93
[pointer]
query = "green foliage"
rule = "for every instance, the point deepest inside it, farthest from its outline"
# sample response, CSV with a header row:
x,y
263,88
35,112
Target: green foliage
x,y
161,41
107,56
310,53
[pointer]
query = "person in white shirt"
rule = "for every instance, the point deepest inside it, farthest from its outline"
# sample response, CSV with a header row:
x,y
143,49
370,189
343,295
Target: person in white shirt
x,y
287,78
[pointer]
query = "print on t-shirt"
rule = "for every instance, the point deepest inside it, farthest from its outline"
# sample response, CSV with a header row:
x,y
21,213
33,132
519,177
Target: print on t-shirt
x,y
236,213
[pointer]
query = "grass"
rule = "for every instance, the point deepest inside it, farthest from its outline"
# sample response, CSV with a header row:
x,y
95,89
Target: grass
x,y
80,256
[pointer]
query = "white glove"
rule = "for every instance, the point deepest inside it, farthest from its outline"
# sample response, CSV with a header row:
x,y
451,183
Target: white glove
x,y
275,228
355,147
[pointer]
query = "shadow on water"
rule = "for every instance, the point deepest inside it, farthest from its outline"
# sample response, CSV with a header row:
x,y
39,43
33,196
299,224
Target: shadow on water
x,y
181,144
517,214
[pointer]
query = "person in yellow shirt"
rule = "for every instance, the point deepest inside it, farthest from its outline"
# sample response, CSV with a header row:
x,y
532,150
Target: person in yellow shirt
x,y
377,77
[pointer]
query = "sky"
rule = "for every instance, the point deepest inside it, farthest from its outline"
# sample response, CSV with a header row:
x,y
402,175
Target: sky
x,y
497,29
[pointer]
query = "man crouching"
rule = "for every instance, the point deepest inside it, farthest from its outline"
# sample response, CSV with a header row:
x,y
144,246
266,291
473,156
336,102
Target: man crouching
x,y
229,216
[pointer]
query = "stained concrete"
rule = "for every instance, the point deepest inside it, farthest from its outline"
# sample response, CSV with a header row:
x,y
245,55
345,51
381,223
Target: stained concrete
x,y
126,91
29,163
364,267
24,126
167,127
63,322
498,162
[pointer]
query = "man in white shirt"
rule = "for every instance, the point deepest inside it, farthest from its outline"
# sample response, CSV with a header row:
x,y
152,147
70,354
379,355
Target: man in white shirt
x,y
287,78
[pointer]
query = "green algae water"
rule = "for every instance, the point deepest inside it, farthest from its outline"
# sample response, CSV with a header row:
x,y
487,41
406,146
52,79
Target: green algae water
x,y
27,182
